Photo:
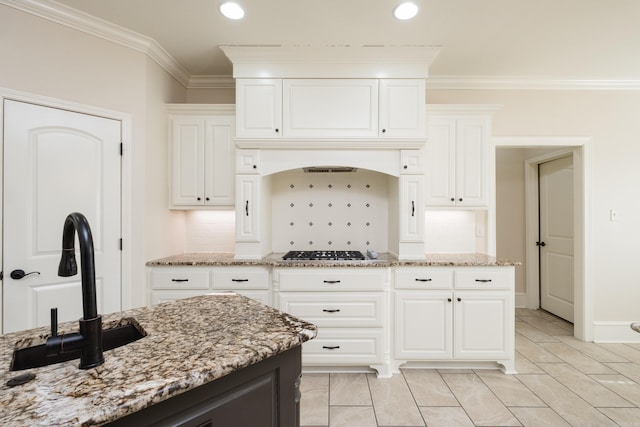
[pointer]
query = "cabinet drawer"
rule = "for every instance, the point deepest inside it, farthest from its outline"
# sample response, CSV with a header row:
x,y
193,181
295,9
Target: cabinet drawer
x,y
344,347
330,310
179,278
334,279
241,278
424,278
484,278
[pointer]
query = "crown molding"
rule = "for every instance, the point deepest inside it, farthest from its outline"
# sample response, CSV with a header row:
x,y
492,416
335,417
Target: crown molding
x,y
212,82
525,83
73,18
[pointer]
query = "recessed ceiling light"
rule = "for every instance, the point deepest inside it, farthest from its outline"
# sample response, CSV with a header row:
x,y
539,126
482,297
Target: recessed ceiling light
x,y
406,10
231,10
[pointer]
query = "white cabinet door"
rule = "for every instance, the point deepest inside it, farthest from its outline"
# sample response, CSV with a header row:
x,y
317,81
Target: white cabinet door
x,y
482,325
411,209
456,152
219,153
202,160
259,108
471,162
187,166
324,108
423,325
247,203
402,108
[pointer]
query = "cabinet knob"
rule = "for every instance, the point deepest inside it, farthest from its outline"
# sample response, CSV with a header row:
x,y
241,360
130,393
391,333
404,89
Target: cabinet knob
x,y
384,130
460,199
449,299
277,130
459,299
255,166
199,198
405,166
453,199
207,199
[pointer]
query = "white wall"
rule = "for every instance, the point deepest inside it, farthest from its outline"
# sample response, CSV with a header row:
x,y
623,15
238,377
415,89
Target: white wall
x,y
44,58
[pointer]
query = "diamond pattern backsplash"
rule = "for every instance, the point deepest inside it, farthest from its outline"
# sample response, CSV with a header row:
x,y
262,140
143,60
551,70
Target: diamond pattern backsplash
x,y
313,211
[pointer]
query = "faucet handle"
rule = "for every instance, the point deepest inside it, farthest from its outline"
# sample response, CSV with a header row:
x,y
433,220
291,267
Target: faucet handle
x,y
54,322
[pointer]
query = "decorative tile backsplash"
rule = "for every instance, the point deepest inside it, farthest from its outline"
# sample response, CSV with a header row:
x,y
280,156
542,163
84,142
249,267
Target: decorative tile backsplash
x,y
346,210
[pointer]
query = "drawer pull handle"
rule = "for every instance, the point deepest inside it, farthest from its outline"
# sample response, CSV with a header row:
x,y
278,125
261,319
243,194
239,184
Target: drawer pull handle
x,y
331,347
483,280
331,282
179,280
423,280
239,280
333,310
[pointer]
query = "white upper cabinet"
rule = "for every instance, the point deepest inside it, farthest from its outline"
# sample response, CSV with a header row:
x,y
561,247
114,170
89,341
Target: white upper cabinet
x,y
202,160
402,108
329,108
457,153
259,112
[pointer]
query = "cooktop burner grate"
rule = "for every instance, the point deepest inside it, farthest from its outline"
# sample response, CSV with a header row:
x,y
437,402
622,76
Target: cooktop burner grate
x,y
324,255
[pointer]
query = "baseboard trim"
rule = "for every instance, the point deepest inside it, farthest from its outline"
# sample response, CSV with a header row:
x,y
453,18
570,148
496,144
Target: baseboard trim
x,y
521,300
615,332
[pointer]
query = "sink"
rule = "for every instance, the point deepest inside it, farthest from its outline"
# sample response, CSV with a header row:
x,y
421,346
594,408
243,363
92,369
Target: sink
x,y
34,357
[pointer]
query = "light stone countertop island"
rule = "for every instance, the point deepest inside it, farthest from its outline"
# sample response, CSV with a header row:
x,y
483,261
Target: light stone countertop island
x,y
188,343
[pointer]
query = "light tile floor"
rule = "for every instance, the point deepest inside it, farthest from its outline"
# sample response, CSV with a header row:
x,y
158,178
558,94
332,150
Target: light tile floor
x,y
561,381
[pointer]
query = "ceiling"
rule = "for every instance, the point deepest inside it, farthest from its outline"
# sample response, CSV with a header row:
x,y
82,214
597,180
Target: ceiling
x,y
548,39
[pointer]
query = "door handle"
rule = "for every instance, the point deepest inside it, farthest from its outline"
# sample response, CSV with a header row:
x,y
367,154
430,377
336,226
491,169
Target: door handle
x,y
541,244
19,274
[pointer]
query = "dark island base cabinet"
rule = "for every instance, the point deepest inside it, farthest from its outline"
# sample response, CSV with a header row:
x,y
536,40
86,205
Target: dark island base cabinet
x,y
266,394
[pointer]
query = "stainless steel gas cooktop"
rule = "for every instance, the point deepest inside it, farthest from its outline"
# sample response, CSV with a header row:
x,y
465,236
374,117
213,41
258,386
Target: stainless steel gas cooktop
x,y
324,255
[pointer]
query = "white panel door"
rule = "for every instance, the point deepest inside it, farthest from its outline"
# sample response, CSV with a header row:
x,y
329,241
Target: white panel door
x,y
57,162
259,108
556,231
471,159
440,173
402,108
187,160
481,325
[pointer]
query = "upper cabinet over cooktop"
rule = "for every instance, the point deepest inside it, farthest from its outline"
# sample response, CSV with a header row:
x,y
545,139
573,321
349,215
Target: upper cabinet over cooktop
x,y
348,97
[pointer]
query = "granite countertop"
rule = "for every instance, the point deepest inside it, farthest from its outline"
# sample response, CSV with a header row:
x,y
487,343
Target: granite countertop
x,y
383,260
189,342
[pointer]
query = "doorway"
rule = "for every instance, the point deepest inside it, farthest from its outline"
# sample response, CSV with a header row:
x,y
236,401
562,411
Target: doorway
x,y
554,147
57,161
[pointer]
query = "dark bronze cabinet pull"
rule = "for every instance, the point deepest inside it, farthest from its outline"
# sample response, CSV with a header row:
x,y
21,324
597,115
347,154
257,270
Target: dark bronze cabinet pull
x,y
239,280
423,280
413,208
331,281
332,310
483,280
246,208
179,280
331,347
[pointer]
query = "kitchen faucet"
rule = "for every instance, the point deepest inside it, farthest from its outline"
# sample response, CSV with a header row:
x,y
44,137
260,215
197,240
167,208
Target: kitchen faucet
x,y
89,339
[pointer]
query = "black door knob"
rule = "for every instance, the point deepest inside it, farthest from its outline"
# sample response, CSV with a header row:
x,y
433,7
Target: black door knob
x,y
541,244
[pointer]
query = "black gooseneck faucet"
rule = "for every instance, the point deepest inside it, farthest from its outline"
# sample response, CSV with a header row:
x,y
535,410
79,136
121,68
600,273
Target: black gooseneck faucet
x,y
89,340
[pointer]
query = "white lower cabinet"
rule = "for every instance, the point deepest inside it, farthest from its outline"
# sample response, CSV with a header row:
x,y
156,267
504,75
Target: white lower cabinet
x,y
348,305
454,314
172,283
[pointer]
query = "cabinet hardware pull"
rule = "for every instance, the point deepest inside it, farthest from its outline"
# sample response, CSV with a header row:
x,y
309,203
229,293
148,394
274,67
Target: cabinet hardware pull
x,y
453,200
460,199
207,199
413,208
331,281
199,198
423,280
405,167
384,130
332,310
179,280
246,208
483,280
449,299
277,130
331,347
255,166
239,280
459,299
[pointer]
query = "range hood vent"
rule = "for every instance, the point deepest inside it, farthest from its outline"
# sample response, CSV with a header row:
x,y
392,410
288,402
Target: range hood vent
x,y
329,169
